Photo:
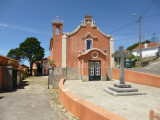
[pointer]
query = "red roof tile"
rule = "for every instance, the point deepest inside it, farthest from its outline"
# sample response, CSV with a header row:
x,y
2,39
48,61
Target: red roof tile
x,y
155,44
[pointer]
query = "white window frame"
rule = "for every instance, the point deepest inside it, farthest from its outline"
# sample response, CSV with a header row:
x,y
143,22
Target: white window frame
x,y
91,68
91,43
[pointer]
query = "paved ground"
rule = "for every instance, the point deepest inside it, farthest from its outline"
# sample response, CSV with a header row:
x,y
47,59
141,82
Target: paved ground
x,y
30,101
153,68
130,107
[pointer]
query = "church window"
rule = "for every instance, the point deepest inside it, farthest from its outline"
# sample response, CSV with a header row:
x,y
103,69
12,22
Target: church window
x,y
88,44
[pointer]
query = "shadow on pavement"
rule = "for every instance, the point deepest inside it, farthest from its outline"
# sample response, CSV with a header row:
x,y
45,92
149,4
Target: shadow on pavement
x,y
1,97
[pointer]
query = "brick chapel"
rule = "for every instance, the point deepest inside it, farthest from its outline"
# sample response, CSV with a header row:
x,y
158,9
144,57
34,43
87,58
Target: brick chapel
x,y
83,54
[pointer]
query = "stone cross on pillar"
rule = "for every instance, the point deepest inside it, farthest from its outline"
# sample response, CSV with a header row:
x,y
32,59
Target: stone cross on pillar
x,y
121,56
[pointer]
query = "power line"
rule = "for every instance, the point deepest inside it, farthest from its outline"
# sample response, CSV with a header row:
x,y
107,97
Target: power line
x,y
132,38
122,27
151,22
135,33
152,15
147,8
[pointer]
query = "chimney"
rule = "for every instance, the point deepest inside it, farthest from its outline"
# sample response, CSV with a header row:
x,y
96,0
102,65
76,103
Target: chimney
x,y
145,45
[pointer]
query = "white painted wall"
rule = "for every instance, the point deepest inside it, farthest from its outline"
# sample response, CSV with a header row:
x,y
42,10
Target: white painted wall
x,y
146,52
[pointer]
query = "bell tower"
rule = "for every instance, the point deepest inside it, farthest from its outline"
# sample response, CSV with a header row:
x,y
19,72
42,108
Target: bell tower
x,y
57,41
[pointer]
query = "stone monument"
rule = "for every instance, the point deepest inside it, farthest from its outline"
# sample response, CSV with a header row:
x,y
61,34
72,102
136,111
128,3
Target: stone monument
x,y
122,89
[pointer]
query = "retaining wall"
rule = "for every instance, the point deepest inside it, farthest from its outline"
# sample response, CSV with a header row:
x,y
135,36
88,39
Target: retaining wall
x,y
4,61
82,109
138,77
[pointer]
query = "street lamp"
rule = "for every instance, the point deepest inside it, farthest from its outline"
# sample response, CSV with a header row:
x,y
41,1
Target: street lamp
x,y
140,49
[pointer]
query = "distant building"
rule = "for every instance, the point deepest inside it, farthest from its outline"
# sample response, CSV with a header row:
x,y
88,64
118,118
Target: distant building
x,y
24,67
45,65
148,49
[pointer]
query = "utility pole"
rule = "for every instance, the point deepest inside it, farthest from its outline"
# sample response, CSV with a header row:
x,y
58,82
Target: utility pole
x,y
140,50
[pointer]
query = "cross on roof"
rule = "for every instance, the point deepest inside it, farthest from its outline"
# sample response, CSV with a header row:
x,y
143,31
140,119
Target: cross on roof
x,y
121,58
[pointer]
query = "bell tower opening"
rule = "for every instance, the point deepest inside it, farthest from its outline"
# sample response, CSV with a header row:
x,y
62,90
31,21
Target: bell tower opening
x,y
57,30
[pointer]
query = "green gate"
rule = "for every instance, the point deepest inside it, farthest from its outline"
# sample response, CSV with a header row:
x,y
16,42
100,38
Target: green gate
x,y
94,70
14,79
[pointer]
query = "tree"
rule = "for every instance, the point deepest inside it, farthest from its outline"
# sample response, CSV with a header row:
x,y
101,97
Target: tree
x,y
154,38
136,44
31,50
15,54
115,58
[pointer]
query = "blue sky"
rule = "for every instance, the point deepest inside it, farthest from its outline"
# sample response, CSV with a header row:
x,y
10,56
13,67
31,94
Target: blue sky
x,y
20,19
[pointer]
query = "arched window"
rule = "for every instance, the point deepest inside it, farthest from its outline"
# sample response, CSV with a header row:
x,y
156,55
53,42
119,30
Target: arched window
x,y
57,31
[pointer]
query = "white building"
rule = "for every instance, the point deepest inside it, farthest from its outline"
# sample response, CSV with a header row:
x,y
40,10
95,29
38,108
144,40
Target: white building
x,y
148,49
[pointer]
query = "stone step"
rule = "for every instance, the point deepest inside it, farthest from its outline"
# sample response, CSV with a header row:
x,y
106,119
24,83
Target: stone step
x,y
123,93
119,90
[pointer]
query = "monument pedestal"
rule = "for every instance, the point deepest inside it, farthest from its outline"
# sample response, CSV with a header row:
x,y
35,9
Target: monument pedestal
x,y
123,90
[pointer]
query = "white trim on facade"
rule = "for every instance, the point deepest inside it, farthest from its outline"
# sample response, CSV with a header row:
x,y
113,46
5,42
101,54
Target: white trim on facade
x,y
64,46
91,50
111,51
84,25
84,37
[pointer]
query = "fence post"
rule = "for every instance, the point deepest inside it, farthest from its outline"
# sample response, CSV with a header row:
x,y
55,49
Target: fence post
x,y
50,78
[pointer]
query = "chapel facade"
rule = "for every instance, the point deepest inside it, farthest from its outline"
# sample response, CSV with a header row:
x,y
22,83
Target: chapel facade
x,y
83,54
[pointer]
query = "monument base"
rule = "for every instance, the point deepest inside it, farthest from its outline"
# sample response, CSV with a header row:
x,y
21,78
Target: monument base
x,y
120,90
123,93
122,85
123,90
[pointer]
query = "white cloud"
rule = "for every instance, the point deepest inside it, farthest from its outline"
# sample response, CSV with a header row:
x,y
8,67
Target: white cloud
x,y
5,25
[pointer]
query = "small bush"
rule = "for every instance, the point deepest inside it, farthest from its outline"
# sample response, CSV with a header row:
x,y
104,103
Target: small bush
x,y
24,74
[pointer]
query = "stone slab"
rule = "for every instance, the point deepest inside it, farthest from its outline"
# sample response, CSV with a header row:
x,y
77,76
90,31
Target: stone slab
x,y
119,90
124,93
122,85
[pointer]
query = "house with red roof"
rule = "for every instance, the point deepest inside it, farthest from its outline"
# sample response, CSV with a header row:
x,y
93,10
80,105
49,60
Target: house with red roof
x,y
148,49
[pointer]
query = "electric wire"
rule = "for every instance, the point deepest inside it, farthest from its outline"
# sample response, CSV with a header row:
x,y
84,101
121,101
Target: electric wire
x,y
151,16
123,27
147,8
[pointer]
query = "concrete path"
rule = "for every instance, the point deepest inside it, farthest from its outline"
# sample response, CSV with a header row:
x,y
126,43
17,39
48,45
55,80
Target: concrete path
x,y
30,101
153,68
134,107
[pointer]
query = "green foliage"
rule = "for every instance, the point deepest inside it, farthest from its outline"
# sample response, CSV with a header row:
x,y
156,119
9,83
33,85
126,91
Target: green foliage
x,y
15,54
31,50
24,74
116,52
136,44
11,61
132,56
51,62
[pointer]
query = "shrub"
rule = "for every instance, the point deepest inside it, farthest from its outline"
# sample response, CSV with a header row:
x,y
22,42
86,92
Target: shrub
x,y
24,74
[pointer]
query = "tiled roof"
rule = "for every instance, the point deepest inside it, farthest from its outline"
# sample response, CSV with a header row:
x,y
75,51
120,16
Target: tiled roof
x,y
23,66
155,44
49,57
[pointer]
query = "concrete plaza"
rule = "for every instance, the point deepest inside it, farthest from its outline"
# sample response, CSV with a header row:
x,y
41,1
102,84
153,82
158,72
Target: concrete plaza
x,y
135,107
